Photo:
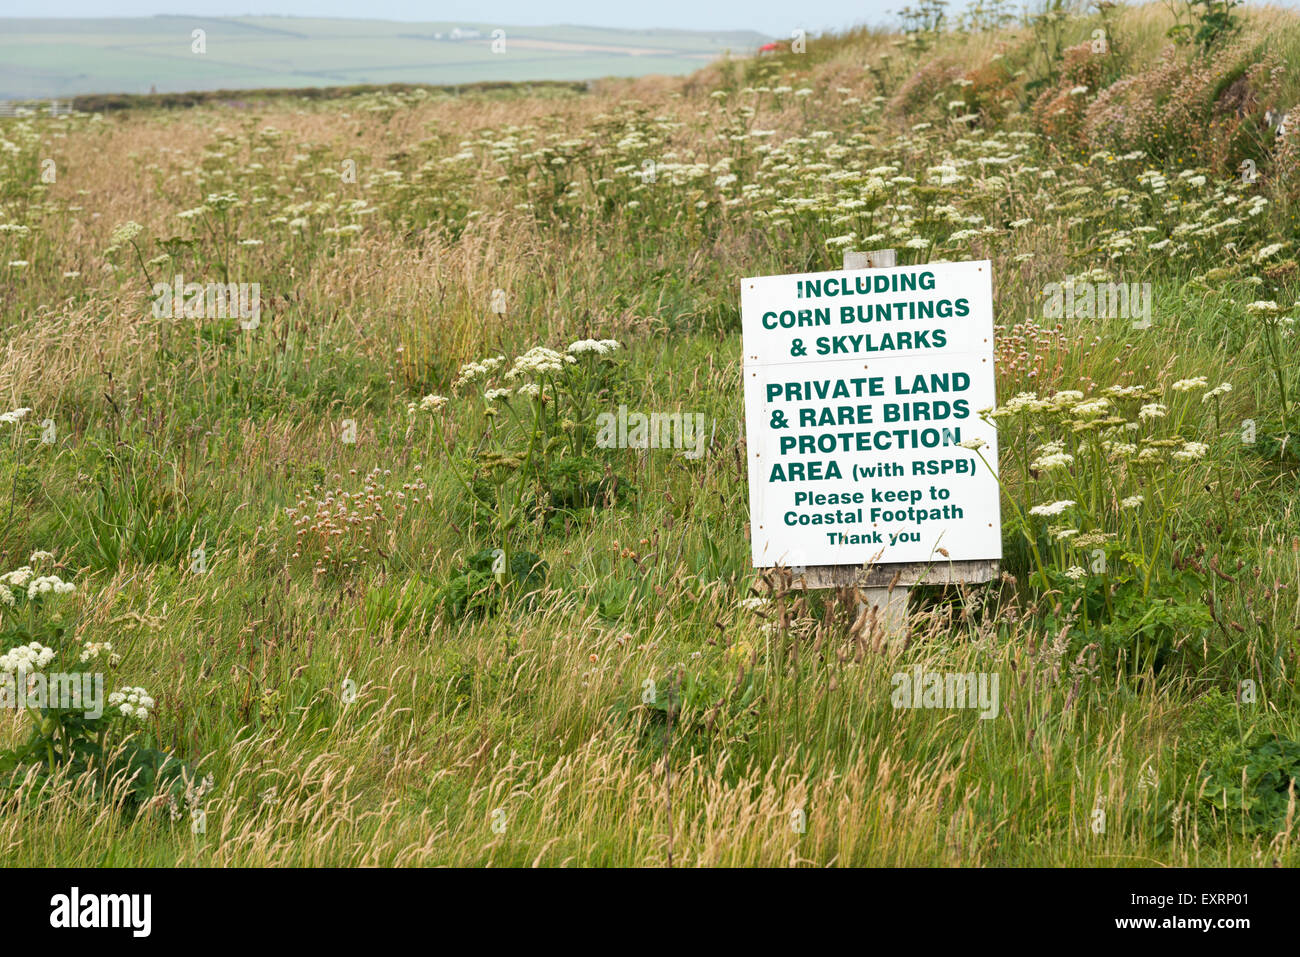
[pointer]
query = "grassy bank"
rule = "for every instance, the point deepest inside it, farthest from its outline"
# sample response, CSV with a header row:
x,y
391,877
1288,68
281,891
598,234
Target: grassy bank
x,y
288,537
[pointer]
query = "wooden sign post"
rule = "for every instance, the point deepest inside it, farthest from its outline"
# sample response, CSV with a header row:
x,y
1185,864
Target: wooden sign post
x,y
939,328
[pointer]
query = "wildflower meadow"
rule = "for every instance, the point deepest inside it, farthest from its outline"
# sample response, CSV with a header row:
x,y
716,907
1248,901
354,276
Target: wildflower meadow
x,y
374,465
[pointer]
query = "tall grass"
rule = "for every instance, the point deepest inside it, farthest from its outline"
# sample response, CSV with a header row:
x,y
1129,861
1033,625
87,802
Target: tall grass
x,y
350,717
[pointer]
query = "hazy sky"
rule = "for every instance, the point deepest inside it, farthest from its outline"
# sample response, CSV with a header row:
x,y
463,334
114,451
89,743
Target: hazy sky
x,y
775,17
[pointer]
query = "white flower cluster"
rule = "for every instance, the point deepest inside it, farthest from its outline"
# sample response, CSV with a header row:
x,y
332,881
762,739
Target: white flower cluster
x,y
131,702
221,201
1222,388
1066,398
19,577
430,403
1051,459
600,347
1190,452
1024,402
1092,408
125,232
24,578
539,361
1053,508
1125,391
49,583
14,417
1269,251
472,371
26,658
92,650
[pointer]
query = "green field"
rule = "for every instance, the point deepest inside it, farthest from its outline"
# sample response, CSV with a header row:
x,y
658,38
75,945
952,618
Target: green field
x,y
53,58
364,586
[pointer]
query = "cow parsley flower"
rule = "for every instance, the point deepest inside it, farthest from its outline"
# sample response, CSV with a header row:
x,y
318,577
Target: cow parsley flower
x,y
125,232
19,577
539,361
1092,408
132,702
600,347
93,650
1222,389
49,583
1023,402
26,658
472,371
1190,452
1053,460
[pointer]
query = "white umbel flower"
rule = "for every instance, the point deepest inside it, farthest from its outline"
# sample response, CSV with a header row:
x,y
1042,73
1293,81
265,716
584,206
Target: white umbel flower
x,y
26,658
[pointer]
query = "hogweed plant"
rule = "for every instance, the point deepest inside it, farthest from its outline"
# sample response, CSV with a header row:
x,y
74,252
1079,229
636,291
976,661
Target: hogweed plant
x,y
75,729
1104,480
1277,328
526,413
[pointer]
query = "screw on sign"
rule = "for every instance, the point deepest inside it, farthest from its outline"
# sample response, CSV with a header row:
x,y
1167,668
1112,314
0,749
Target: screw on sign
x,y
869,464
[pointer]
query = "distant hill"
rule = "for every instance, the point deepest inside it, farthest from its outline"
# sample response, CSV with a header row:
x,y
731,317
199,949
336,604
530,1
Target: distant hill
x,y
64,57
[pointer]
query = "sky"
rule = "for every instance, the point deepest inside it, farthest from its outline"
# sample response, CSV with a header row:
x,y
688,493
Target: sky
x,y
772,17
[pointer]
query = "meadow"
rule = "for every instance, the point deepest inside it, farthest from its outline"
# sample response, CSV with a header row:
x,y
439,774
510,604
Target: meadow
x,y
367,590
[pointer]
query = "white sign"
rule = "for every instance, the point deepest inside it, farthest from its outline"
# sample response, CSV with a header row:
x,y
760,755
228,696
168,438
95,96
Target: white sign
x,y
860,386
